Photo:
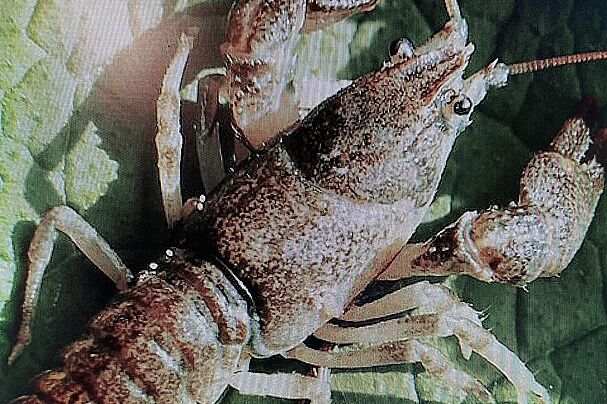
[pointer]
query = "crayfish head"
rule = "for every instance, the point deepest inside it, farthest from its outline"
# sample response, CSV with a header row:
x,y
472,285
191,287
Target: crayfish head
x,y
436,68
431,78
386,138
388,135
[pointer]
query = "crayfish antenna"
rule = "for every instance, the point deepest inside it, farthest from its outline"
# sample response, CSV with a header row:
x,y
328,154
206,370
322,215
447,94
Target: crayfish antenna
x,y
541,64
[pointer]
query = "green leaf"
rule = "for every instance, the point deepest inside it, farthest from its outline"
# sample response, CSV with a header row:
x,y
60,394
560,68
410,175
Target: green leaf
x,y
88,170
78,83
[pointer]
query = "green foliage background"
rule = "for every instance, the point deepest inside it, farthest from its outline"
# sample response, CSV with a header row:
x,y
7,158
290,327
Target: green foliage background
x,y
78,83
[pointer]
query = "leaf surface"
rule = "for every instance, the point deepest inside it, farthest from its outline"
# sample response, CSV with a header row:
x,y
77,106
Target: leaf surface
x,y
77,94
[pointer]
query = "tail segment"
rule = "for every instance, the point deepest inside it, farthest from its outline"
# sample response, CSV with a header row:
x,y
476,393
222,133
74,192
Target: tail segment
x,y
175,337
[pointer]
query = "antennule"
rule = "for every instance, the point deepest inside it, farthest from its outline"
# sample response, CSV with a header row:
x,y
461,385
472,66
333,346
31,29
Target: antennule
x,y
541,64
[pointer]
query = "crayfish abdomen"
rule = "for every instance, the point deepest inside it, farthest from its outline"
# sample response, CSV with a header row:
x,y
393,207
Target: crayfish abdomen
x,y
175,337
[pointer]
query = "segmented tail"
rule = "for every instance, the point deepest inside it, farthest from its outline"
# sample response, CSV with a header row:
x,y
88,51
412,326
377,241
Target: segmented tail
x,y
175,337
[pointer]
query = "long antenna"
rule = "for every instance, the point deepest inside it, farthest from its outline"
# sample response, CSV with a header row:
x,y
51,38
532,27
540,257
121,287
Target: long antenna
x,y
541,64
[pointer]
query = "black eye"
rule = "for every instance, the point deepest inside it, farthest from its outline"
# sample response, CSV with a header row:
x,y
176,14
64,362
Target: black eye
x,y
401,47
463,106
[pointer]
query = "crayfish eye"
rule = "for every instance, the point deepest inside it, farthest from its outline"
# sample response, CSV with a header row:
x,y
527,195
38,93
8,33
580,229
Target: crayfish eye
x,y
401,48
462,106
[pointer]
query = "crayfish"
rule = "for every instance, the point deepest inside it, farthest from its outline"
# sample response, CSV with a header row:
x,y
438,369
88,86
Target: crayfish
x,y
272,259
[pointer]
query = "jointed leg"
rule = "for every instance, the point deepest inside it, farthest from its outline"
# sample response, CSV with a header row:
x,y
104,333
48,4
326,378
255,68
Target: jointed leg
x,y
438,312
215,158
282,385
67,221
169,140
411,297
409,351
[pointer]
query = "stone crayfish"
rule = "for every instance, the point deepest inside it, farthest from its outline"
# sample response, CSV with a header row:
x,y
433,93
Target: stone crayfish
x,y
271,262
